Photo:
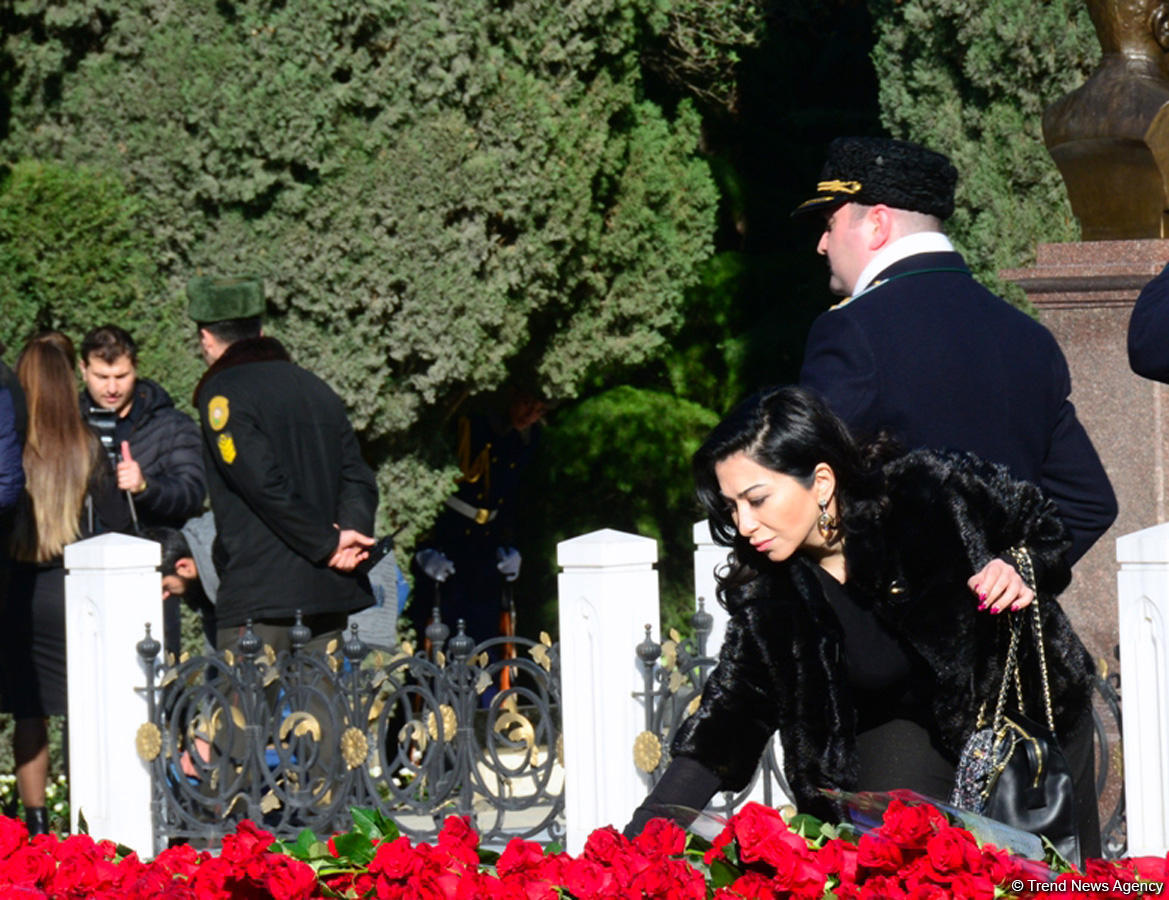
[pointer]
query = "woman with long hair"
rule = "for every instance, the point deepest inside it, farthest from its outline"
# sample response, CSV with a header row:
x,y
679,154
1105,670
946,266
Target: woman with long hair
x,y
867,589
69,494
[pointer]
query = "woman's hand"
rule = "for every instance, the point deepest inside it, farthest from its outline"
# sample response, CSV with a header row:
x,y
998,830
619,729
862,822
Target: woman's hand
x,y
999,588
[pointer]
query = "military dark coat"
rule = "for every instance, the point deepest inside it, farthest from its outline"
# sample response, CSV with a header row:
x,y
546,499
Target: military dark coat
x,y
1148,330
910,556
938,361
283,466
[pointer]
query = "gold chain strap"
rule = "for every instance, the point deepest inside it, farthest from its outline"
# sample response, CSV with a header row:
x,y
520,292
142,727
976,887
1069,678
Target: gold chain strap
x,y
1026,568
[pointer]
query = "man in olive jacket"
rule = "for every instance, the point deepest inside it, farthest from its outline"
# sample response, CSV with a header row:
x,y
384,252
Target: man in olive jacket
x,y
293,500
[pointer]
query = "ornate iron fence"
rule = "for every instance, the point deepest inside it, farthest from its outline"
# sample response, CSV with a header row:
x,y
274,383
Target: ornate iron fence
x,y
676,670
294,740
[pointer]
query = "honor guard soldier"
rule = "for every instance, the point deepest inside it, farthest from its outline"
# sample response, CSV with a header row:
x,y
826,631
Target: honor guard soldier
x,y
921,350
470,552
293,500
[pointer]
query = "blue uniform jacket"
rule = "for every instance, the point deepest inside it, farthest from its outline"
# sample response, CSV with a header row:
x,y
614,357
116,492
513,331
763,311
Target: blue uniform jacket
x,y
934,358
1148,330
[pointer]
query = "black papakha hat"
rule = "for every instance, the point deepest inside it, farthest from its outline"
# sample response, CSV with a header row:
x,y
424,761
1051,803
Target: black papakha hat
x,y
212,299
872,170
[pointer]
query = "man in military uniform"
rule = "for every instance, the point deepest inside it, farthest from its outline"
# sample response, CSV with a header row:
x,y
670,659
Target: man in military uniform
x,y
1148,330
921,350
293,500
470,552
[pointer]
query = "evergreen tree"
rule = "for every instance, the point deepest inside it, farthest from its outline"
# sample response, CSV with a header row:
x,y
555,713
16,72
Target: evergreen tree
x,y
440,195
972,80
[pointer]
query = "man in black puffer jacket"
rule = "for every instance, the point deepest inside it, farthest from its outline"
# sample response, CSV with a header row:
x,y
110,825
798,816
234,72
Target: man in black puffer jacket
x,y
159,448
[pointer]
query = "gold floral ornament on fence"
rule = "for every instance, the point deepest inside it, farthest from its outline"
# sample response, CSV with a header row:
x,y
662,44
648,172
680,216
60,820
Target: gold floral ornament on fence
x,y
521,730
148,741
449,723
539,651
354,747
647,751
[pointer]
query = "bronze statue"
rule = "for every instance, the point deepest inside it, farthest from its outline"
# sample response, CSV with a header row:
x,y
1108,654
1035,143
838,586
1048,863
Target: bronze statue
x,y
1110,137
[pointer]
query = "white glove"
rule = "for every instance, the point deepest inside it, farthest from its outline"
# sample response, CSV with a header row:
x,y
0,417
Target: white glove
x,y
507,561
435,564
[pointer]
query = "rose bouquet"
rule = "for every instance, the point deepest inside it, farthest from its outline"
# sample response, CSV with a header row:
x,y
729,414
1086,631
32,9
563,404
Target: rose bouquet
x,y
915,853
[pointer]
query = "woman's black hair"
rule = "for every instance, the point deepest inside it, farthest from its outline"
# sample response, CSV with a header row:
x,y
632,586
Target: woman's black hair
x,y
788,430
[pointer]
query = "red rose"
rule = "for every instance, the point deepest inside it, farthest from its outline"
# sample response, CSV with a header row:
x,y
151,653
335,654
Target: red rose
x,y
838,857
1151,868
30,864
395,859
289,879
457,832
795,870
586,878
878,853
952,850
996,864
606,844
13,834
971,886
246,844
519,856
910,825
668,879
716,850
754,886
882,887
928,891
661,837
760,831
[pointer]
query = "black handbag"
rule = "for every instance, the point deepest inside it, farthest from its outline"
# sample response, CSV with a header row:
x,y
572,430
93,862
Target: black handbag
x,y
1014,770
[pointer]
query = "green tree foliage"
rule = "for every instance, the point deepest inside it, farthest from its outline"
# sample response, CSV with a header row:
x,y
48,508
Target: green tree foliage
x,y
621,459
75,252
441,194
972,80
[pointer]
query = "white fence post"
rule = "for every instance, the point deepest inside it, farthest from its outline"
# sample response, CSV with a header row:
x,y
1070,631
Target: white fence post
x,y
112,588
608,594
1143,586
709,556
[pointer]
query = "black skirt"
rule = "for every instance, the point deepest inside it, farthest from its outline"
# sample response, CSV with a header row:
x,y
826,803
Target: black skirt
x,y
32,642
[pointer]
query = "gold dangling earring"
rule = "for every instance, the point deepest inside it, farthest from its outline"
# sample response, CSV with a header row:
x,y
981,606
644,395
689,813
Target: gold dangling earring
x,y
826,524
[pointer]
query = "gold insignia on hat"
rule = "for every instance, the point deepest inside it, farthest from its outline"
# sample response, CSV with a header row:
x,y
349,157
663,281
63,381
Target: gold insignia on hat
x,y
227,448
839,187
217,412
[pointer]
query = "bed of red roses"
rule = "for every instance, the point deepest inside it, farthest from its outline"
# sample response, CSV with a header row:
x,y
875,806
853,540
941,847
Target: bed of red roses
x,y
915,854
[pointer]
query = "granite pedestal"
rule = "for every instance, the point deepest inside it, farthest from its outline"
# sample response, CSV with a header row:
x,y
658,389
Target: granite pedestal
x,y
1084,293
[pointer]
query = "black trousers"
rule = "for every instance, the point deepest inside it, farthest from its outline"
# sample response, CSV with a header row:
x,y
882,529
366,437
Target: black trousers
x,y
900,754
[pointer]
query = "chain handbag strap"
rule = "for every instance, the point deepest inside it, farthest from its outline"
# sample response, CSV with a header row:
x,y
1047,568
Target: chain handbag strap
x,y
1026,568
1009,668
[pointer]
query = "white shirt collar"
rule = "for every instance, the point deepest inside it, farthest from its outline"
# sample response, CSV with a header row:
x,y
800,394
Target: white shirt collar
x,y
910,245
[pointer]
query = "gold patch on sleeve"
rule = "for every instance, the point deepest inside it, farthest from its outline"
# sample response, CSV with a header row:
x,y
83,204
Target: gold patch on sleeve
x,y
227,448
217,412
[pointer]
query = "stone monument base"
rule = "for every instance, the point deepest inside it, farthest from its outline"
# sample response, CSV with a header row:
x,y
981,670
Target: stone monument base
x,y
1084,293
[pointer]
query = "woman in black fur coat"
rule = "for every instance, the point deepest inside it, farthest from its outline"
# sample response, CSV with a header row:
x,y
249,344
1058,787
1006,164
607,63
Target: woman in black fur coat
x,y
868,591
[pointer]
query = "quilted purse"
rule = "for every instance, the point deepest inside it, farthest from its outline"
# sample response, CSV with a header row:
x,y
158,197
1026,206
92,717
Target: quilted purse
x,y
1013,769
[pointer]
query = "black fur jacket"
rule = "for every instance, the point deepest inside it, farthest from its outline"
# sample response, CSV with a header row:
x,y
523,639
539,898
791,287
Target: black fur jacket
x,y
910,552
